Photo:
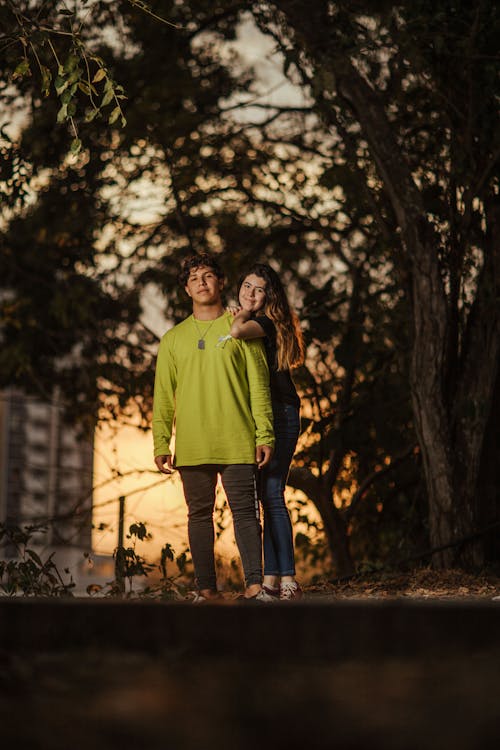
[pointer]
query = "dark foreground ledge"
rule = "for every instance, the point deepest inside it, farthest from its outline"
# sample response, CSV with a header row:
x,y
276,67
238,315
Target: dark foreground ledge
x,y
313,629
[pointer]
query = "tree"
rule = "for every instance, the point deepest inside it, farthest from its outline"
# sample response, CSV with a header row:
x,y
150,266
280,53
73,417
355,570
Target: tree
x,y
76,259
248,187
414,87
358,196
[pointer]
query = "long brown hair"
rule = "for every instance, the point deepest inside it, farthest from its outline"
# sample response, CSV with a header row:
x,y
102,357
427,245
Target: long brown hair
x,y
289,340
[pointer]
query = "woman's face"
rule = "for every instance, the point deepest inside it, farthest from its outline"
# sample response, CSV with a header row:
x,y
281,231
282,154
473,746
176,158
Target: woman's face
x,y
253,293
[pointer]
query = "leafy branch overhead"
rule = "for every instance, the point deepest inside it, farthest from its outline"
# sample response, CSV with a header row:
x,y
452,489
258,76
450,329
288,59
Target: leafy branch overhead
x,y
53,45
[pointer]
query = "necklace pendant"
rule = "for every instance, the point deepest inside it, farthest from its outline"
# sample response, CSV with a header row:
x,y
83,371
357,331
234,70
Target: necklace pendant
x,y
201,344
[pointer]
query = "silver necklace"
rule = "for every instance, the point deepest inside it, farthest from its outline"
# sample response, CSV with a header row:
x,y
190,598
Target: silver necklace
x,y
201,340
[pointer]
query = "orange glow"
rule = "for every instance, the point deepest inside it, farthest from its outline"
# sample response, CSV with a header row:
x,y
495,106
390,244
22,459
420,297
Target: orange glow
x,y
123,465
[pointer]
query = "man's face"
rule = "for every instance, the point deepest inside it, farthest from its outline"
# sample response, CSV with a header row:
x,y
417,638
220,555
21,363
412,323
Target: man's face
x,y
203,286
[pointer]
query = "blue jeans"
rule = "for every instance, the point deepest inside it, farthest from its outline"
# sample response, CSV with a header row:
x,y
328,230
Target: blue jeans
x,y
278,538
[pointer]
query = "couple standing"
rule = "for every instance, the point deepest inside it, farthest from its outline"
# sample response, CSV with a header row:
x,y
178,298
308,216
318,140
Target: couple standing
x,y
224,378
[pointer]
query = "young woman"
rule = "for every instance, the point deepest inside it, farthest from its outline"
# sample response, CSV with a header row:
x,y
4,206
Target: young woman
x,y
265,313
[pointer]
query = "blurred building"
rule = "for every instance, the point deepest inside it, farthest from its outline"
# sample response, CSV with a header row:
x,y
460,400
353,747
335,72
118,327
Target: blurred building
x,y
45,471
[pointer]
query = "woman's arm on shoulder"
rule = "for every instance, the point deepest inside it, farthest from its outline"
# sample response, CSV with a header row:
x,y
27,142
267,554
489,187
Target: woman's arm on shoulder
x,y
245,328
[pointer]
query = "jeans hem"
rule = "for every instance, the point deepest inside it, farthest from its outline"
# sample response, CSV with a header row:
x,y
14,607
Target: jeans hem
x,y
280,573
254,579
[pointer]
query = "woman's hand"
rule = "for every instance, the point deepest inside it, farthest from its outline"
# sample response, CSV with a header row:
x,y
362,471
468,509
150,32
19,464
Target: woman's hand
x,y
233,309
249,306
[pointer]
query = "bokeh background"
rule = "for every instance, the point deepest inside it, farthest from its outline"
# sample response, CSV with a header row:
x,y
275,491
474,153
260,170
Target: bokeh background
x,y
354,147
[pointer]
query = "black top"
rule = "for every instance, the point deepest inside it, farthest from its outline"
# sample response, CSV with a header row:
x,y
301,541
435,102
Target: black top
x,y
282,387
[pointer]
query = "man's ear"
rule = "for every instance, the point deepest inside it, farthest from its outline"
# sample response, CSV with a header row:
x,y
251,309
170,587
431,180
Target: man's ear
x,y
187,291
221,284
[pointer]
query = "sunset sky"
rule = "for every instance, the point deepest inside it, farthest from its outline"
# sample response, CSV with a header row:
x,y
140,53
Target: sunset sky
x,y
151,498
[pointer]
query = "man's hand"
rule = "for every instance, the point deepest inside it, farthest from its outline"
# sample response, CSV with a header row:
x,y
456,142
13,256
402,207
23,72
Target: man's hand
x,y
160,461
263,454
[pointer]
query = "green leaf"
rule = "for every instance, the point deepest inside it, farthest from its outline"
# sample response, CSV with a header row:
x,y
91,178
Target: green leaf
x,y
115,114
167,552
66,96
108,96
22,69
46,79
101,73
76,146
60,84
181,561
75,76
139,530
91,115
34,557
63,113
71,63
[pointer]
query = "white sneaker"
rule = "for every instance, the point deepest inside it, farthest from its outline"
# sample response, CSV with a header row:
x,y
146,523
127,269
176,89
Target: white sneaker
x,y
290,591
197,598
263,596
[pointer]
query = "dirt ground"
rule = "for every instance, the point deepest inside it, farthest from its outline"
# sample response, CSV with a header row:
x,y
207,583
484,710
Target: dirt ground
x,y
422,583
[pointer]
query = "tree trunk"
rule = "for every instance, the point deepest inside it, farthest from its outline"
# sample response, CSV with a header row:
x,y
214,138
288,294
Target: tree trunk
x,y
428,304
427,365
489,472
336,533
451,447
474,402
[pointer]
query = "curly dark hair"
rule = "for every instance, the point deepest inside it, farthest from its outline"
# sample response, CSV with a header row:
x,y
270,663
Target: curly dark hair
x,y
196,261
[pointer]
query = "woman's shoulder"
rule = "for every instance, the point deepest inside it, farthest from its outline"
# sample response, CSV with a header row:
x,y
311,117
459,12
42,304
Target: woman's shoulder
x,y
265,323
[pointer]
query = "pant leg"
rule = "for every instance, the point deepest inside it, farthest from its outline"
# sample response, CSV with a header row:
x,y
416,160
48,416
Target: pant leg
x,y
238,481
199,484
278,536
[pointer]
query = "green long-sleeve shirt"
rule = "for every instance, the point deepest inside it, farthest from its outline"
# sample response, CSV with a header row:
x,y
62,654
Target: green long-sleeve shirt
x,y
217,396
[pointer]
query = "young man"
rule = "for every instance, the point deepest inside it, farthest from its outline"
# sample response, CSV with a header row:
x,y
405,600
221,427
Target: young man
x,y
216,389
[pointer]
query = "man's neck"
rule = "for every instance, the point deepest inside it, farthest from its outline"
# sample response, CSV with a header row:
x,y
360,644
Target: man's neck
x,y
207,312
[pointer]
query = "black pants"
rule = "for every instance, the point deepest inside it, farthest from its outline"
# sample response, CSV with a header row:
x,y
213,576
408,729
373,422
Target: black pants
x,y
238,480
